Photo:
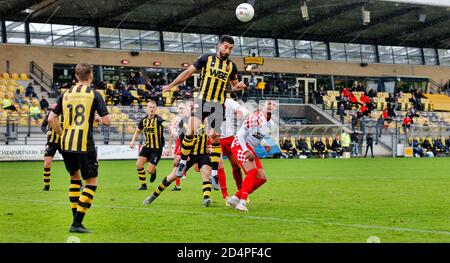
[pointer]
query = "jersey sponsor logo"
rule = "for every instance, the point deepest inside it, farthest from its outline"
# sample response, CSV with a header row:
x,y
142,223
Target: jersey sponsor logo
x,y
218,74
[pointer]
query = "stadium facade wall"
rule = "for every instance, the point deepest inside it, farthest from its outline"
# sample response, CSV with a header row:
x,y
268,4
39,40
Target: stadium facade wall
x,y
19,57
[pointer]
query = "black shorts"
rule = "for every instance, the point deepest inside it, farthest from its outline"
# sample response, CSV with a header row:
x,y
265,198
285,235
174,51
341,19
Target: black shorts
x,y
202,159
153,155
51,148
214,111
85,162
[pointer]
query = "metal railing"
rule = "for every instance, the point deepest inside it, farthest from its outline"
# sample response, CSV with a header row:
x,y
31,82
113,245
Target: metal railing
x,y
42,77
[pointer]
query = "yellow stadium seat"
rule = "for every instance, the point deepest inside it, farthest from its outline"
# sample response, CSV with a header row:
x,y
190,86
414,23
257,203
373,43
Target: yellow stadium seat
x,y
5,75
24,76
15,76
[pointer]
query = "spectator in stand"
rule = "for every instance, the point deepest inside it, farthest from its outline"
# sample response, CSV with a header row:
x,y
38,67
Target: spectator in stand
x,y
289,148
355,144
341,112
412,112
360,87
364,110
132,80
320,147
417,149
144,94
345,140
102,85
8,103
355,121
35,110
365,99
369,142
353,101
20,96
427,146
406,124
391,111
140,78
447,145
372,93
337,147
29,92
302,146
44,104
283,87
379,127
439,146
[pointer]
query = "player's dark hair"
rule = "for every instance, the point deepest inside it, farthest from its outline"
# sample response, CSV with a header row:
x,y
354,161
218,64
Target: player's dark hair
x,y
226,38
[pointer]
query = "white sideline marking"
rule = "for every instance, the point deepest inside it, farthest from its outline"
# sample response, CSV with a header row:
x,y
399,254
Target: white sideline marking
x,y
240,215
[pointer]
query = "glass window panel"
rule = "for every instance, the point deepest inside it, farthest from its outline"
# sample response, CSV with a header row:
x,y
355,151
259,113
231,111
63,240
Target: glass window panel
x,y
399,51
352,48
172,41
302,44
173,46
249,41
151,45
319,50
317,45
398,59
430,56
337,51
385,53
172,36
246,51
62,30
444,57
286,48
212,39
303,53
237,50
414,51
266,42
81,41
354,57
192,47
150,35
109,37
267,52
40,34
321,55
84,31
63,35
130,39
368,57
211,48
415,60
191,38
15,32
84,36
368,53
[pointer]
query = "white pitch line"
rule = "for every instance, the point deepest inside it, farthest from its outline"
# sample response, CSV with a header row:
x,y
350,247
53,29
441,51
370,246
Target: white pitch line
x,y
246,216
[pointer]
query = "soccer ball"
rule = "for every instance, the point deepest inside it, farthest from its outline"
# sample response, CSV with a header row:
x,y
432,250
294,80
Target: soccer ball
x,y
245,12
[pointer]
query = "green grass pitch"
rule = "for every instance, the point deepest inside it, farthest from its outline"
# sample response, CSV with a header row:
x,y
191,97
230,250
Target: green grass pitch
x,y
331,200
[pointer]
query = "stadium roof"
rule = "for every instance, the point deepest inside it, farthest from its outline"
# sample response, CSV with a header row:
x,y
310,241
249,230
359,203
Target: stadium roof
x,y
391,23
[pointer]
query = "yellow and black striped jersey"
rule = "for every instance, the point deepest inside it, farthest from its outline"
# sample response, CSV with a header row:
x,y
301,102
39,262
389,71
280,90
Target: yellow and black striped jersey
x,y
153,130
215,75
53,137
77,106
201,142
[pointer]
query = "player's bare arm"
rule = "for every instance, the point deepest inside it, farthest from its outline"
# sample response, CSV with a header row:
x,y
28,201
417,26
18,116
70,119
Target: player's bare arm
x,y
135,136
54,123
